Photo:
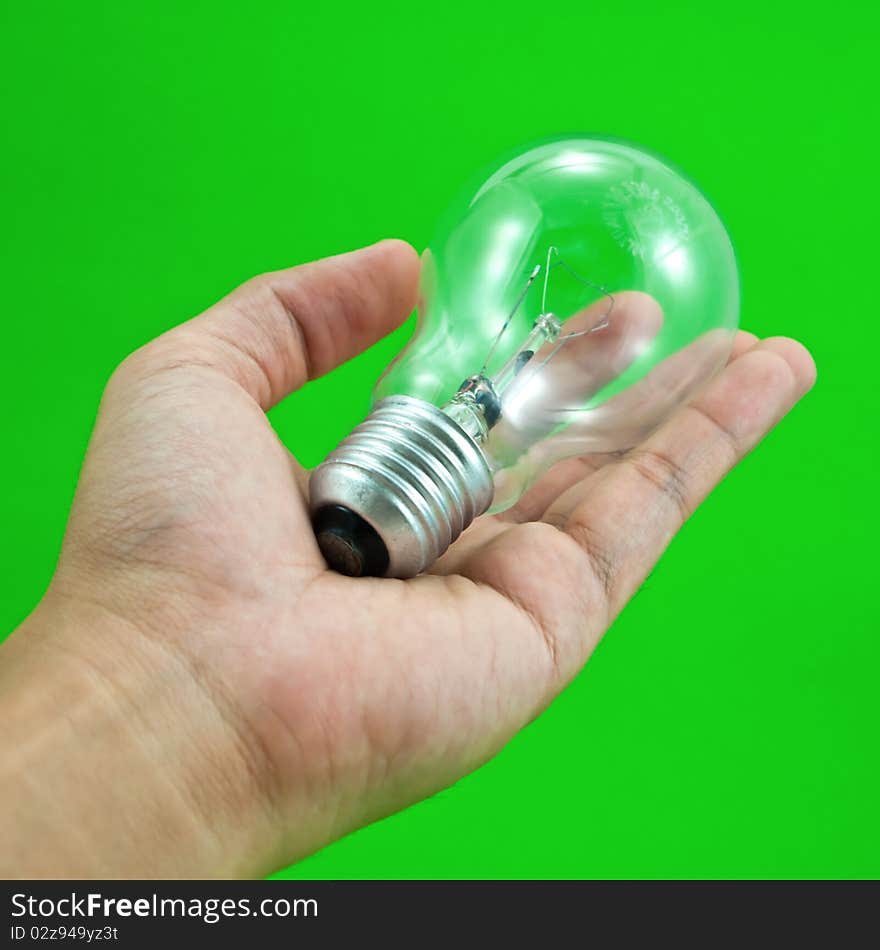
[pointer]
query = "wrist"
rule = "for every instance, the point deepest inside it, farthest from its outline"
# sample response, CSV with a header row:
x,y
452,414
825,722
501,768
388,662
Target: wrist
x,y
117,760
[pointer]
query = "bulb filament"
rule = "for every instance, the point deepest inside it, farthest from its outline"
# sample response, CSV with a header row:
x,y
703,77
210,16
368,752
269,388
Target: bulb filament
x,y
477,405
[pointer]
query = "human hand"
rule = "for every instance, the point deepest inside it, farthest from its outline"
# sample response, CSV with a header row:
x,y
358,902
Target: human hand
x,y
197,694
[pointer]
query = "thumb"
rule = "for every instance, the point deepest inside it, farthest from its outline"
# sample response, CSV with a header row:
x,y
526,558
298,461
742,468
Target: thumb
x,y
281,329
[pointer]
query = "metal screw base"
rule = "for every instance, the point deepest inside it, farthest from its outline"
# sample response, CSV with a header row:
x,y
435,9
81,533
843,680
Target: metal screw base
x,y
412,475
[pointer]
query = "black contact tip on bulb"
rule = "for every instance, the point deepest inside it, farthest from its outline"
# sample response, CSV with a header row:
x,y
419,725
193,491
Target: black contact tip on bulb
x,y
349,544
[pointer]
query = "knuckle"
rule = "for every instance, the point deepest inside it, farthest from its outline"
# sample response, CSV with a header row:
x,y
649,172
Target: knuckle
x,y
275,305
720,431
150,360
665,474
129,369
602,561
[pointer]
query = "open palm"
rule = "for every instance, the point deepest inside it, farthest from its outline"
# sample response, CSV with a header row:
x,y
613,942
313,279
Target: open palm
x,y
345,699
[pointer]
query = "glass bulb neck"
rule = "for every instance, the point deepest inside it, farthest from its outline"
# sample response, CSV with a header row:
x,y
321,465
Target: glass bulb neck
x,y
479,403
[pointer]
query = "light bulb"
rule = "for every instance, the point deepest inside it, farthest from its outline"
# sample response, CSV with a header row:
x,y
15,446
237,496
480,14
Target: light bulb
x,y
568,304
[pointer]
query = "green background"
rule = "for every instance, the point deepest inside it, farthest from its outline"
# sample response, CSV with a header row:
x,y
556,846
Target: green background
x,y
156,154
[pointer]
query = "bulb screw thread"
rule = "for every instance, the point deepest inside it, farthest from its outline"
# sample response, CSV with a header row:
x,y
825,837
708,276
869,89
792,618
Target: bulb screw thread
x,y
398,490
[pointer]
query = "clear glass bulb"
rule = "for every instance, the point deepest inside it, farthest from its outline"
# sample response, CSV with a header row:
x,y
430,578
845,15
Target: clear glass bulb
x,y
568,304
